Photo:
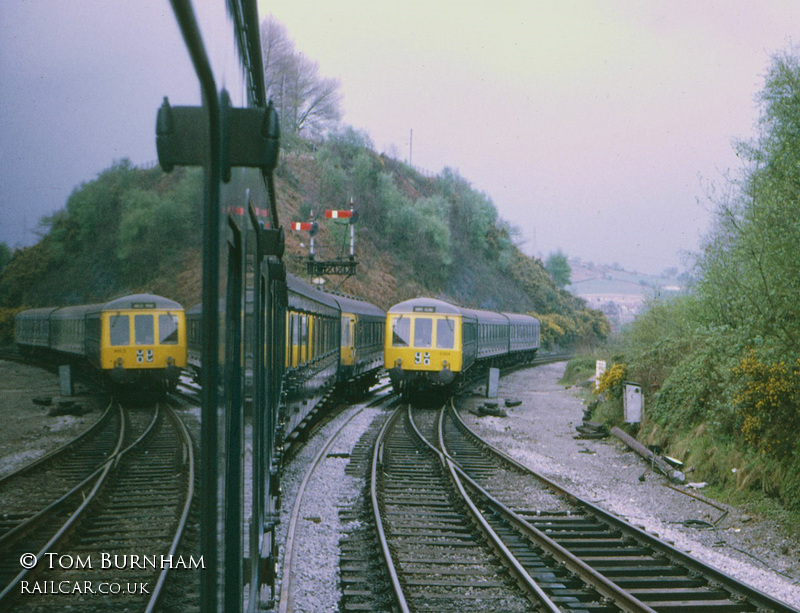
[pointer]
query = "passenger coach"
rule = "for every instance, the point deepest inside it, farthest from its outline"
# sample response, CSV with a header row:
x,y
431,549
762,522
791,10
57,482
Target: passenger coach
x,y
361,352
431,344
133,338
330,341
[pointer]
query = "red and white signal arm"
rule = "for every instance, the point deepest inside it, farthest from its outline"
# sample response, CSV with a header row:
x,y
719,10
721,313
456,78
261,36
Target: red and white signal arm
x,y
334,214
306,226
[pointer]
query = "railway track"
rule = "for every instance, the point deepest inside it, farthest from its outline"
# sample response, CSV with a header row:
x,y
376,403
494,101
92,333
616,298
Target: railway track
x,y
292,548
434,554
458,516
109,540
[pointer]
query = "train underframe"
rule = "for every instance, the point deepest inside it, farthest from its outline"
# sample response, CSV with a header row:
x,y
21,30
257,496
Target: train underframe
x,y
425,385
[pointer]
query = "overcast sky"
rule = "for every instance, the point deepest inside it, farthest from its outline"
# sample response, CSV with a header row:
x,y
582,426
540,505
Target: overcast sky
x,y
592,126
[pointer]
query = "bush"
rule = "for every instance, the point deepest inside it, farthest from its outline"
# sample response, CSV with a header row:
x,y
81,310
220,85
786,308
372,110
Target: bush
x,y
7,325
767,402
578,370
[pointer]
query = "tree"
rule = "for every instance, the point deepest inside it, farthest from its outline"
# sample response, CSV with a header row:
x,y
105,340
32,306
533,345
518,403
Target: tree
x,y
558,268
307,103
5,255
749,269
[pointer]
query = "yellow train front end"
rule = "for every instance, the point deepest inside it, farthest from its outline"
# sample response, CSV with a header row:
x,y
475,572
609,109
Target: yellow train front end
x,y
143,337
423,344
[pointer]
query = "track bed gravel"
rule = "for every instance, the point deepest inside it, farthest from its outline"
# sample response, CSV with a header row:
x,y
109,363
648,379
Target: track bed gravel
x,y
540,433
27,431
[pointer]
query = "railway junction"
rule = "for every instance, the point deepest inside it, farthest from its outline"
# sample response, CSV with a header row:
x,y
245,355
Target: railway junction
x,y
328,521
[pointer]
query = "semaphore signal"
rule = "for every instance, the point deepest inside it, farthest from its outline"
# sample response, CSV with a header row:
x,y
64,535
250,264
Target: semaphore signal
x,y
334,214
339,266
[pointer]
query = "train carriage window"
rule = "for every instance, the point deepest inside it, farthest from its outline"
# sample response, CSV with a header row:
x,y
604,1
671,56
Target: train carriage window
x,y
303,341
168,329
120,330
144,329
401,332
445,334
291,358
423,332
346,331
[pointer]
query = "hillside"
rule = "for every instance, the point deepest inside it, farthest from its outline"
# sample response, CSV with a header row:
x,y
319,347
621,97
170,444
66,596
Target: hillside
x,y
133,230
620,294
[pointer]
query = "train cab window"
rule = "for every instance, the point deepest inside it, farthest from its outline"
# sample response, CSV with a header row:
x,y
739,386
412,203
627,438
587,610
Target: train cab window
x,y
445,334
423,332
401,332
120,330
168,329
144,329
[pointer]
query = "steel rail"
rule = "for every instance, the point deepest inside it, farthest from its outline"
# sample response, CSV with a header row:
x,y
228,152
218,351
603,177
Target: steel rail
x,y
37,517
526,582
72,519
737,588
377,460
187,460
286,602
59,450
602,584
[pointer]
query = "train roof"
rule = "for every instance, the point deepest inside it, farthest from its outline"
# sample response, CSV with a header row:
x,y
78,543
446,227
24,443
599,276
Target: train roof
x,y
519,319
358,307
134,301
487,317
298,286
427,305
142,301
79,311
39,313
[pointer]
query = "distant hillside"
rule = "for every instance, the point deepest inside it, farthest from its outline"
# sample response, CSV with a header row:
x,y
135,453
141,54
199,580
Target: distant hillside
x,y
620,294
133,230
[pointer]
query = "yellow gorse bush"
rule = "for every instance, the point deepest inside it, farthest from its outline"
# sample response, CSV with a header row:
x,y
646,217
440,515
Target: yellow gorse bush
x,y
612,379
768,401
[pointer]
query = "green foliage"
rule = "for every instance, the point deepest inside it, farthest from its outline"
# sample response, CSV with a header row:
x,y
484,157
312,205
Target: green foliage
x,y
579,369
750,266
447,237
767,401
557,266
659,338
7,325
720,366
20,279
5,255
473,217
694,392
116,234
419,229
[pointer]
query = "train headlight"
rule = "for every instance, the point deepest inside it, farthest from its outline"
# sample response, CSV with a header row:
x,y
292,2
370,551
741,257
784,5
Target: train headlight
x,y
170,361
118,362
398,362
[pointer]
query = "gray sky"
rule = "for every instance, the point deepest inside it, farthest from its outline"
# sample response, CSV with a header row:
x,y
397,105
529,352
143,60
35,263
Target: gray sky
x,y
593,126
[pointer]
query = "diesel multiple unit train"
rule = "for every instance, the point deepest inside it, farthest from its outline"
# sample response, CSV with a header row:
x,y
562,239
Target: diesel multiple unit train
x,y
331,341
135,339
431,343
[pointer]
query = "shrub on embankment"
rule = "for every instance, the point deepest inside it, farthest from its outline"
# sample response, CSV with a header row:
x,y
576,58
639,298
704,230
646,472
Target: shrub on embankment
x,y
720,367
